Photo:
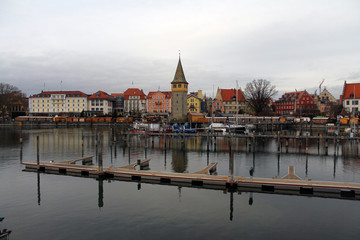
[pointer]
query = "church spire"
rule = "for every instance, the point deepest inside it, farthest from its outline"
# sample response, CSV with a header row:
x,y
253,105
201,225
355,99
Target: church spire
x,y
179,74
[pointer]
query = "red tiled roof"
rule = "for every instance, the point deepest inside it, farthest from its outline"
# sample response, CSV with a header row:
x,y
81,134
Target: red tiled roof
x,y
68,94
296,95
116,94
134,92
227,95
351,90
167,94
101,95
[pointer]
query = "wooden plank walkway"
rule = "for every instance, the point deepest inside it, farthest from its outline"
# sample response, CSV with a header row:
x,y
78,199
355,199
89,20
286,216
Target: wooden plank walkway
x,y
290,183
84,160
143,163
207,170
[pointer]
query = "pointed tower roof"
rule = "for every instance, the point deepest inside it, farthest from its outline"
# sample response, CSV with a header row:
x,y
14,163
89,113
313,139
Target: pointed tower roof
x,y
179,74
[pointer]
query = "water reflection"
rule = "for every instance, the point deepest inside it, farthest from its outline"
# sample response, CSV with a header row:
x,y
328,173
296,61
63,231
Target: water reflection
x,y
179,161
38,189
100,193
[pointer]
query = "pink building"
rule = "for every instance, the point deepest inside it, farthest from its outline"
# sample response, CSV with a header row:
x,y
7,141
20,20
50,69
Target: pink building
x,y
158,102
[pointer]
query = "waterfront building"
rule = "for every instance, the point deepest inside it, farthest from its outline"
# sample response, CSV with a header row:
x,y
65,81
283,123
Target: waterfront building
x,y
58,102
101,102
325,100
298,102
217,106
118,106
194,103
233,99
179,89
134,101
350,97
158,102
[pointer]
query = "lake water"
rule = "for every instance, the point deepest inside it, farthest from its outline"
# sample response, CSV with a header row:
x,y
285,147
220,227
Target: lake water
x,y
46,206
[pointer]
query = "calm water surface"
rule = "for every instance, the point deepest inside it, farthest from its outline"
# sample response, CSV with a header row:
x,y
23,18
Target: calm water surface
x,y
45,206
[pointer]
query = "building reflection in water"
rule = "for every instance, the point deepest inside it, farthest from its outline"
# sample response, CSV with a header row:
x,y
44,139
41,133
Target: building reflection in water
x,y
179,161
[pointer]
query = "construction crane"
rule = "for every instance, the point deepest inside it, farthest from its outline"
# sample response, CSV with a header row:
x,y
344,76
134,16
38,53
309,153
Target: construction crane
x,y
320,86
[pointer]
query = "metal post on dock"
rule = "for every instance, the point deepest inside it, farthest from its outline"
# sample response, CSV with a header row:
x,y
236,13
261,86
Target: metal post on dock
x,y
287,144
152,142
334,145
37,153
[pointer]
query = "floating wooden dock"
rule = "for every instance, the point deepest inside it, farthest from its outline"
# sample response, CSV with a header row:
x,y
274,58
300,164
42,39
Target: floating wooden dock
x,y
290,184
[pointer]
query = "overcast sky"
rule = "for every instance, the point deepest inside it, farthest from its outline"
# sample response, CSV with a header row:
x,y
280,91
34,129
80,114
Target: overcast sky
x,y
92,45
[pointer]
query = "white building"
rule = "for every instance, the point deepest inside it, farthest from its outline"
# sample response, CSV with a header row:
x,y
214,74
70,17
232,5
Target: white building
x,y
57,102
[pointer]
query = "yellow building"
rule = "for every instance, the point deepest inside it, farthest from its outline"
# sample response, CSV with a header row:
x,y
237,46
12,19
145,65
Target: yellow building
x,y
193,104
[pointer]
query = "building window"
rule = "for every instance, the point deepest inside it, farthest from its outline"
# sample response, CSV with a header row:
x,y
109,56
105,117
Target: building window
x,y
347,102
179,85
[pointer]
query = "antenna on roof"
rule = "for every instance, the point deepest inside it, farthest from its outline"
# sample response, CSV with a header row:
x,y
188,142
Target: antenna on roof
x,y
44,86
132,83
61,85
179,53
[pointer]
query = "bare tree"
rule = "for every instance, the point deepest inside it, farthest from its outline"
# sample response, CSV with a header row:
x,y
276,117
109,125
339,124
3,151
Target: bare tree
x,y
9,95
258,94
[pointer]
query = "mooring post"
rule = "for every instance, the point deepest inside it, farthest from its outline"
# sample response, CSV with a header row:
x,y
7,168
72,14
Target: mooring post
x,y
37,153
253,143
152,142
231,165
287,144
229,142
334,145
278,142
214,143
306,144
326,146
100,157
82,144
207,143
249,143
21,146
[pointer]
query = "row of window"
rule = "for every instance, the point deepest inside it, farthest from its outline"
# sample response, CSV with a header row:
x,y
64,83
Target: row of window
x,y
354,102
153,101
179,85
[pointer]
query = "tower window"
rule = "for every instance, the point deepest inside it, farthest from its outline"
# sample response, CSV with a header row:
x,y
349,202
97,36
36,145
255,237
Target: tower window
x,y
174,85
179,85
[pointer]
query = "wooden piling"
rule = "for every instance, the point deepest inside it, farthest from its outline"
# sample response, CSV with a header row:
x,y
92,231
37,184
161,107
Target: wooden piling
x,y
37,153
326,146
82,145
